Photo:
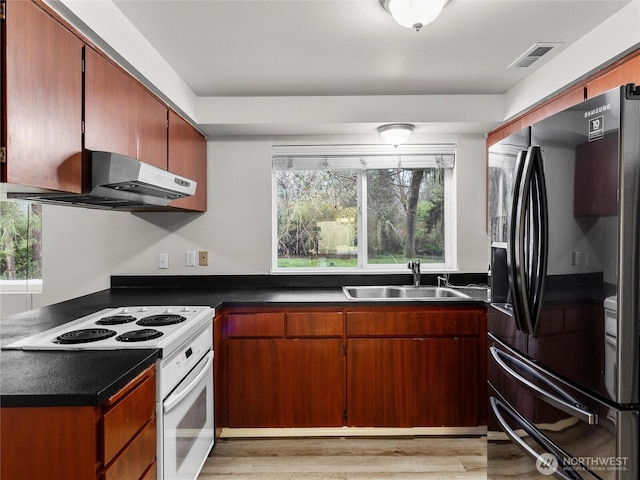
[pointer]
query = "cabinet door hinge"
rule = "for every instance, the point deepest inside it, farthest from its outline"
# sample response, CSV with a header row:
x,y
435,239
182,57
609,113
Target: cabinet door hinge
x,y
344,414
3,154
82,65
82,127
344,350
3,10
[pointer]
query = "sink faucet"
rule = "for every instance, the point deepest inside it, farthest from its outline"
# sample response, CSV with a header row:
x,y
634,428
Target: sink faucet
x,y
414,265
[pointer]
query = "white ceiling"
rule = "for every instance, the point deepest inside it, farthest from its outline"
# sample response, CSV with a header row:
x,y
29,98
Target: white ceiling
x,y
353,47
237,48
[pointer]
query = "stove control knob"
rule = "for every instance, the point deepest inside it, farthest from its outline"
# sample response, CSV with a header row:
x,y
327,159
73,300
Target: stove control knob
x,y
143,309
125,310
169,310
186,309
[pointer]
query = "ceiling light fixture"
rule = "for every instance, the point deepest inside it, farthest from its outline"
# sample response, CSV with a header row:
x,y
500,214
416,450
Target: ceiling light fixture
x,y
414,13
395,133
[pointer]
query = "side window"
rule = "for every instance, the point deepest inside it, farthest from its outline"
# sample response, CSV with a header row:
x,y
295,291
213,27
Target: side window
x,y
20,247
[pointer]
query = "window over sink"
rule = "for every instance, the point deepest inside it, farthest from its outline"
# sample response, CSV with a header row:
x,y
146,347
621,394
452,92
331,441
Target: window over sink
x,y
363,207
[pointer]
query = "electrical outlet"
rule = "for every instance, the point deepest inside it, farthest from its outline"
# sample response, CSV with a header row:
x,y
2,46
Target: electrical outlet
x,y
203,258
576,258
163,260
190,259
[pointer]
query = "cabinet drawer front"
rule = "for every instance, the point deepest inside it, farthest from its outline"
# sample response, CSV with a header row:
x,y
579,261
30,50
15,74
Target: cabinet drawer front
x,y
122,421
136,458
256,324
314,324
409,323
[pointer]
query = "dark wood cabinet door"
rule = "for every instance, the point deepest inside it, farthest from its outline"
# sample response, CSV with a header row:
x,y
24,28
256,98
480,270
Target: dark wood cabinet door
x,y
314,383
43,100
381,382
110,108
256,386
188,157
151,129
448,382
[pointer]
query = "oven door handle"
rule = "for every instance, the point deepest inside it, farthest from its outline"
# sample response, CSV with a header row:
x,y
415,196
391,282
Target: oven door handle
x,y
552,451
561,400
176,397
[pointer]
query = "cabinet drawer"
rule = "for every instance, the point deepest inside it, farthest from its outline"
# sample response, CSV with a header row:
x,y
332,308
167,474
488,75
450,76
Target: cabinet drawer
x,y
314,324
135,459
125,418
394,323
256,324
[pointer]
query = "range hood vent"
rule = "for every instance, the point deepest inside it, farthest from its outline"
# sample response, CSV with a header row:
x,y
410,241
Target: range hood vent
x,y
533,54
118,182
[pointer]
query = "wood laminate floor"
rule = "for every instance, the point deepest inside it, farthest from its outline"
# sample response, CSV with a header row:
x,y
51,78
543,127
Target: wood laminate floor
x,y
348,458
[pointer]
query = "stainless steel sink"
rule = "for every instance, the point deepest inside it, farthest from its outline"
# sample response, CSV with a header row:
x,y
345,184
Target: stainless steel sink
x,y
394,292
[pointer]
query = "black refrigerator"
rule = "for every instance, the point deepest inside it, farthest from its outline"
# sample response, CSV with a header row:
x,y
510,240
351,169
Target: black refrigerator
x,y
563,324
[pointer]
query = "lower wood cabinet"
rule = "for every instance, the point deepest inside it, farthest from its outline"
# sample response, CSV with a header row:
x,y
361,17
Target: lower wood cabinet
x,y
370,367
116,440
286,369
428,375
420,382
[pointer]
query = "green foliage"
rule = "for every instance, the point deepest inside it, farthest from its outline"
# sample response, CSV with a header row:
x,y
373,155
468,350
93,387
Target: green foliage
x,y
317,217
20,241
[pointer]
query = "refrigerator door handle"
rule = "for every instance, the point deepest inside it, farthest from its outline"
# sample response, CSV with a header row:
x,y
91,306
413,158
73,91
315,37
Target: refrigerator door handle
x,y
558,399
513,267
552,451
527,249
540,237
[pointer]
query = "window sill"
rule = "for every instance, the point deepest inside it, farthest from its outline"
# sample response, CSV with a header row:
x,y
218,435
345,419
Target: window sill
x,y
20,286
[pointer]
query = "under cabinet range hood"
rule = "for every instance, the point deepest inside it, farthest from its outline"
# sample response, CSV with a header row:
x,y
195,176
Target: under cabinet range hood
x,y
118,182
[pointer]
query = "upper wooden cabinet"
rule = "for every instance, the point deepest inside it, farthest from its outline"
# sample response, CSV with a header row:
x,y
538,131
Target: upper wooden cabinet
x,y
151,129
120,115
188,157
42,100
109,112
45,106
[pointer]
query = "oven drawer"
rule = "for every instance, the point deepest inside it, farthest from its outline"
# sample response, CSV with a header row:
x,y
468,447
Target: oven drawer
x,y
126,415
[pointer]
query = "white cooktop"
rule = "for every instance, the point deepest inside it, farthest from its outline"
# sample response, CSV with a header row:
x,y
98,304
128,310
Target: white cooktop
x,y
167,337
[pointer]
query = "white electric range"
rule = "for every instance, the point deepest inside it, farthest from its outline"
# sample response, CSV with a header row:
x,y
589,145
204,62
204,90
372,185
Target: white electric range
x,y
184,371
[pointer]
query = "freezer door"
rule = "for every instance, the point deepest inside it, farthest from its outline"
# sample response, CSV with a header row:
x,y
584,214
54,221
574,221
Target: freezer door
x,y
539,427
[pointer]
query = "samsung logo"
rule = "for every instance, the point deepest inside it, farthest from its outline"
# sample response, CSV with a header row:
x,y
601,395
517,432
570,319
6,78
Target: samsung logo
x,y
594,111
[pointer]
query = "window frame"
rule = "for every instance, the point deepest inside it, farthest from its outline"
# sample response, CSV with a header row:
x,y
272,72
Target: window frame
x,y
450,263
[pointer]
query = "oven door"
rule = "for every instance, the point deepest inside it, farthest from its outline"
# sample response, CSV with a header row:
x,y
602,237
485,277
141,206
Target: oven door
x,y
539,427
188,430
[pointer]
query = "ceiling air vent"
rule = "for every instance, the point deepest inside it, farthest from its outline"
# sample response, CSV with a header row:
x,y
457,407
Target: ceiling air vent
x,y
533,54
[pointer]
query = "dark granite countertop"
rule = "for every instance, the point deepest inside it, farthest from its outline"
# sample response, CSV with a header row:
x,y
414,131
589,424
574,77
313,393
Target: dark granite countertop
x,y
88,378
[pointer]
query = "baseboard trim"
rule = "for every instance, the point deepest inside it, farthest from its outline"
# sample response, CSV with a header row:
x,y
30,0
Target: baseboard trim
x,y
351,432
